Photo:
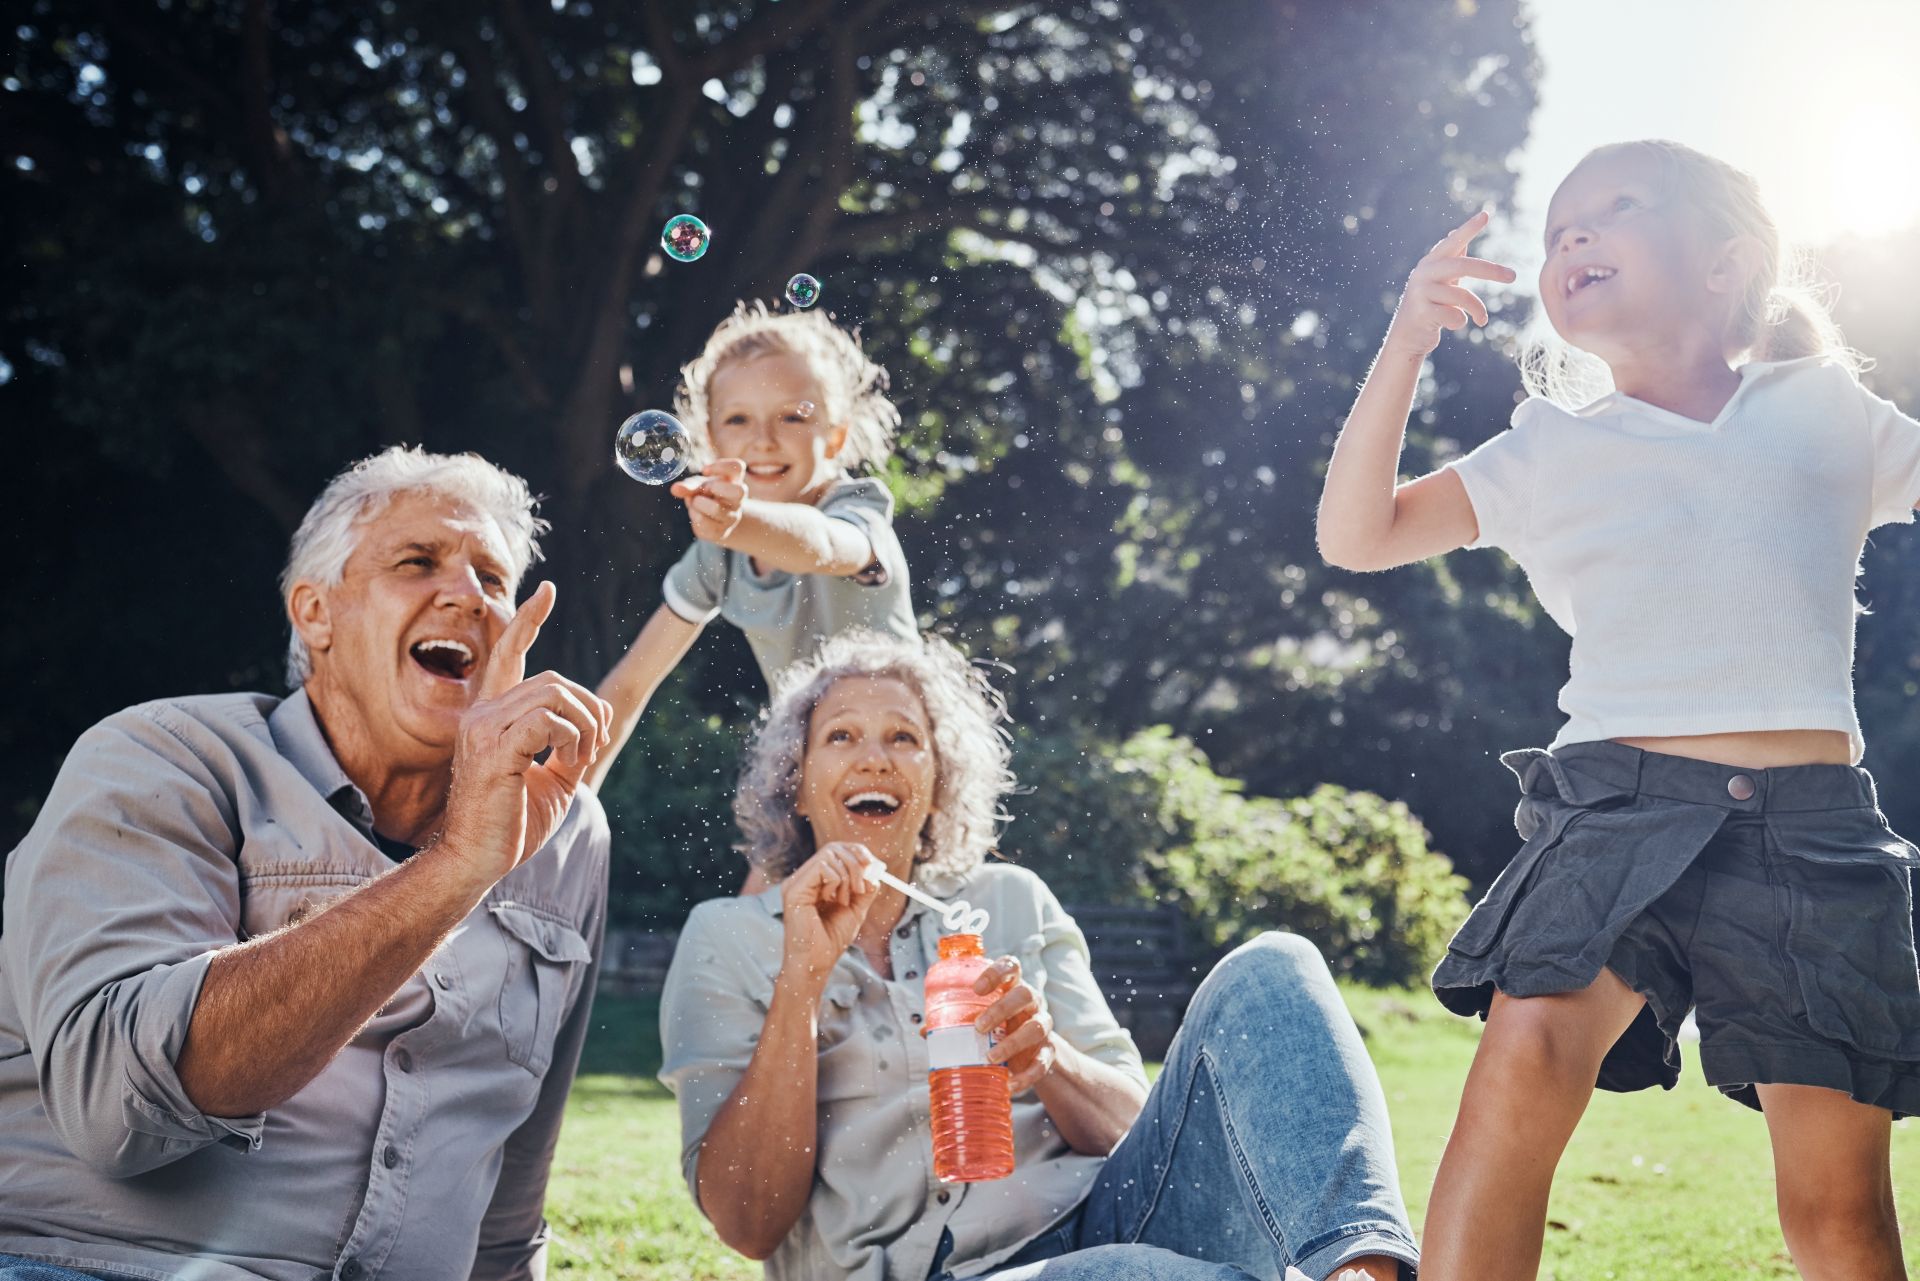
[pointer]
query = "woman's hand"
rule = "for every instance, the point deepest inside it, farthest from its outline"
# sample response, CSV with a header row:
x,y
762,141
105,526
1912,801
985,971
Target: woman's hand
x,y
1434,300
713,498
1020,1023
823,905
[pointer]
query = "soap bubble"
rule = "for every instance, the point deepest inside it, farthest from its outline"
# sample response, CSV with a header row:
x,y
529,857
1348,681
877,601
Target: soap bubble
x,y
803,290
685,238
652,447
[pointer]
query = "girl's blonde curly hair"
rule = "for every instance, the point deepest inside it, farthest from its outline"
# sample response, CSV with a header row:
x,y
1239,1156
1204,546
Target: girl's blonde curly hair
x,y
970,743
856,387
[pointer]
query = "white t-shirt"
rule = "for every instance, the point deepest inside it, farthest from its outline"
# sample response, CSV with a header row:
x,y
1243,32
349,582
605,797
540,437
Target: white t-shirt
x,y
1704,570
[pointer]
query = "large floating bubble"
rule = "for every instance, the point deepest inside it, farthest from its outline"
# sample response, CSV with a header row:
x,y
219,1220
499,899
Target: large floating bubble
x,y
652,447
803,290
685,238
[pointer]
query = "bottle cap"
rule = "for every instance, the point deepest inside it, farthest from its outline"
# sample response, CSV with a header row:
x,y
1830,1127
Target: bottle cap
x,y
952,945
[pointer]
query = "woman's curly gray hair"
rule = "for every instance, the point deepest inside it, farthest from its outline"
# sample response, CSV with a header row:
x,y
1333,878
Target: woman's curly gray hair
x,y
856,388
970,742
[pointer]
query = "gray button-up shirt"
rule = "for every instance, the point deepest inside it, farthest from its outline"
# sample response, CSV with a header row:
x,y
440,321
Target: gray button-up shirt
x,y
877,1211
175,829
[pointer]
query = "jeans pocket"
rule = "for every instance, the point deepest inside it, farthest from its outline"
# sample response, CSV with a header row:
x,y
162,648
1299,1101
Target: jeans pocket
x,y
1847,893
545,960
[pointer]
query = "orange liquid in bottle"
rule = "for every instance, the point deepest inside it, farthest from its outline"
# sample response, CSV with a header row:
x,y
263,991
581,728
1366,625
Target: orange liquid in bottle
x,y
972,1111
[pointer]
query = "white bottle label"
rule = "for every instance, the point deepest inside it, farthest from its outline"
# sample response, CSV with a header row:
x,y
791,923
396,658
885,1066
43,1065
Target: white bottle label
x,y
955,1047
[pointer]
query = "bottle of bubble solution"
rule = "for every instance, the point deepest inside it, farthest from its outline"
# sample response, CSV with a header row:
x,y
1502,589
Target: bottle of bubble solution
x,y
972,1110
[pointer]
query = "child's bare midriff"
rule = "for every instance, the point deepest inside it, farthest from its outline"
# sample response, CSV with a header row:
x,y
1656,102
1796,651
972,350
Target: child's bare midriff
x,y
1755,749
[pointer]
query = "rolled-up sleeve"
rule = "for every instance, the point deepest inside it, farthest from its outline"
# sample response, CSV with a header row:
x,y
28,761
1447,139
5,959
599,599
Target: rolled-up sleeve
x,y
115,905
1896,461
1080,1012
696,585
709,1023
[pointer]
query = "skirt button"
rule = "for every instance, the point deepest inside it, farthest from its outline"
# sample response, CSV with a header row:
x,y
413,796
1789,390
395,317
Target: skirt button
x,y
1740,787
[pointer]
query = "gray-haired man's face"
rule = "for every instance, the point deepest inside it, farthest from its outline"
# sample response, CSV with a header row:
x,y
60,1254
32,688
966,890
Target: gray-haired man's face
x,y
405,635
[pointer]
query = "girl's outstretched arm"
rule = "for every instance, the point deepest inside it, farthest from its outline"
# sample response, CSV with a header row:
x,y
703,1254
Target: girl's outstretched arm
x,y
795,537
662,643
1367,520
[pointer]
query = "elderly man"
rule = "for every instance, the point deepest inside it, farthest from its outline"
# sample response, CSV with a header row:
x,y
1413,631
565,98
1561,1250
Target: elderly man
x,y
295,988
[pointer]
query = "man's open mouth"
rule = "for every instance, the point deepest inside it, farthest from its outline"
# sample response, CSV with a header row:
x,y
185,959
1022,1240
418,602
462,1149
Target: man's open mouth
x,y
767,471
871,804
443,657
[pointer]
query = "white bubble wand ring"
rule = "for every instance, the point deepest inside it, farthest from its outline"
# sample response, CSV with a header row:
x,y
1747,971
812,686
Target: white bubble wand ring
x,y
959,916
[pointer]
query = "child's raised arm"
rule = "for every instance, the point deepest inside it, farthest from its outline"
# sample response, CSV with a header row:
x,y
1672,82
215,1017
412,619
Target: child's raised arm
x,y
795,537
1367,521
662,643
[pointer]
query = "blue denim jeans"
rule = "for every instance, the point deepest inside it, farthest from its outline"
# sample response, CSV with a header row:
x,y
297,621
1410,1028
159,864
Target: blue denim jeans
x,y
1263,1145
13,1268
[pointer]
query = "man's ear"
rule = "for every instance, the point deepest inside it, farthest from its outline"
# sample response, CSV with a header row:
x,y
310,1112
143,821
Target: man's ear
x,y
312,620
837,440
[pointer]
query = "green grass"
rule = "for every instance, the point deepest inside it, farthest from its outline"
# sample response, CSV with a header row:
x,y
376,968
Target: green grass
x,y
1675,1185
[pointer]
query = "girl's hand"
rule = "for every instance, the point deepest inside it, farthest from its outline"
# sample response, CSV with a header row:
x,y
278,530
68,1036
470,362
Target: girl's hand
x,y
1020,1022
713,498
824,903
1434,300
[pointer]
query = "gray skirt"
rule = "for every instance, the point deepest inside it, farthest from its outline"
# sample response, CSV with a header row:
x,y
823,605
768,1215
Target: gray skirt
x,y
1776,904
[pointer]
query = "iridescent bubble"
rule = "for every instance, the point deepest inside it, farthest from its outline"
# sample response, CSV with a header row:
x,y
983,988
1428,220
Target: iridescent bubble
x,y
652,447
685,238
803,290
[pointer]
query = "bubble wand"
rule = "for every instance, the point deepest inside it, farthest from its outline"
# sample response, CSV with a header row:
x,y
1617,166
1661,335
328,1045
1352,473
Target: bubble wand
x,y
959,917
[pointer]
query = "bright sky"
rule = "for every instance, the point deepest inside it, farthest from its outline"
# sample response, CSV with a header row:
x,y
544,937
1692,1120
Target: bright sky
x,y
1818,99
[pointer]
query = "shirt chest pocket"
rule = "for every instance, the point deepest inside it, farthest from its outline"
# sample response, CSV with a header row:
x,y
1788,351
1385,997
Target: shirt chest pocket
x,y
847,1050
546,960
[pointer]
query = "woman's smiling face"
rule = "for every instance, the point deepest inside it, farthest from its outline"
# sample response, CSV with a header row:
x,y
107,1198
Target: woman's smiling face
x,y
870,769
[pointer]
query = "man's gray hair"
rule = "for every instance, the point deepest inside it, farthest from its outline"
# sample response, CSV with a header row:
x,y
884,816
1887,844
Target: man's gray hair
x,y
970,744
331,529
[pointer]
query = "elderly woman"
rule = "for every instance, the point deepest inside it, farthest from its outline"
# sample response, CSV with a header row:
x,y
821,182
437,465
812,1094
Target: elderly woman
x,y
790,1023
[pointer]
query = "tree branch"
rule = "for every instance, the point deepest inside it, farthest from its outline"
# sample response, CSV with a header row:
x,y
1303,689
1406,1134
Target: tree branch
x,y
777,27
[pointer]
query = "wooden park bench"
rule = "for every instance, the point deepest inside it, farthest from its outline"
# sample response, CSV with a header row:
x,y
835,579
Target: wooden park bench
x,y
1141,961
1143,964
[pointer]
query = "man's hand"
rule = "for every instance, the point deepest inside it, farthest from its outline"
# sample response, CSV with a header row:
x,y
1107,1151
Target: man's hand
x,y
714,498
504,805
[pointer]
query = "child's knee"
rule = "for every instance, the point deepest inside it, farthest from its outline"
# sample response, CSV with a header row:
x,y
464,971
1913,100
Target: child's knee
x,y
1829,1219
1536,1042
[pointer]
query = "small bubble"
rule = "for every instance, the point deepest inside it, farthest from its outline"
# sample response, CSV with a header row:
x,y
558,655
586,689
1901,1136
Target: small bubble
x,y
652,447
803,290
685,238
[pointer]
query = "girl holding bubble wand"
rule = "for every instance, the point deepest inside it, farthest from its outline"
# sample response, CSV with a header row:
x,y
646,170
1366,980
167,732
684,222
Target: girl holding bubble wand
x,y
791,546
1699,835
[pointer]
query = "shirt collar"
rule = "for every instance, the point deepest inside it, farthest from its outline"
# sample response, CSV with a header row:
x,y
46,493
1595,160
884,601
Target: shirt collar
x,y
297,735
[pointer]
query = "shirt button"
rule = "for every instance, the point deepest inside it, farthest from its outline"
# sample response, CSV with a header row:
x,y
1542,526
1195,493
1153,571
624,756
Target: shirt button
x,y
913,974
404,1061
943,1196
350,1269
905,931
444,980
390,1157
914,1017
1740,787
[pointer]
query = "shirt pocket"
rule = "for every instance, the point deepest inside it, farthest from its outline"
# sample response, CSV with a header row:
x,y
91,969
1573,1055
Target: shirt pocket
x,y
847,1049
545,960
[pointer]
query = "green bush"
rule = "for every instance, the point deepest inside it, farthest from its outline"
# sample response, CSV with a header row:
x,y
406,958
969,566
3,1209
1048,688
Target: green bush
x,y
1150,819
